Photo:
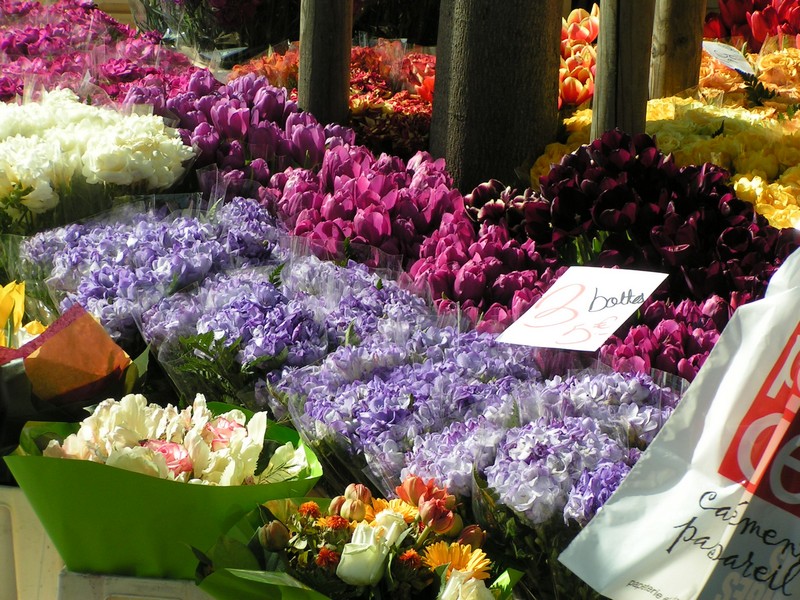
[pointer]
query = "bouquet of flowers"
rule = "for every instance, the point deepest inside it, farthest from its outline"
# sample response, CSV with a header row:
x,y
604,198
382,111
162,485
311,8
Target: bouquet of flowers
x,y
121,262
64,160
415,545
199,469
247,326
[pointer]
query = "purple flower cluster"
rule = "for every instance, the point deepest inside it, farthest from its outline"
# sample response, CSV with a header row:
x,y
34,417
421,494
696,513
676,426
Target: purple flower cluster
x,y
113,268
538,464
241,306
675,338
356,301
399,391
244,131
450,456
72,43
595,487
318,307
629,406
386,202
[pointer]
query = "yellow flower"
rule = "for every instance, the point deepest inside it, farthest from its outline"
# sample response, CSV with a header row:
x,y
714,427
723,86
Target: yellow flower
x,y
12,307
458,557
749,187
553,153
408,511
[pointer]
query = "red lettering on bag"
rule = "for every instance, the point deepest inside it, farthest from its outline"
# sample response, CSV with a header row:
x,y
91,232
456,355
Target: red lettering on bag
x,y
763,455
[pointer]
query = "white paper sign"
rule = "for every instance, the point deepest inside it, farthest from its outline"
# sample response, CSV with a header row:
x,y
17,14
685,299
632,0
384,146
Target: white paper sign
x,y
728,56
583,308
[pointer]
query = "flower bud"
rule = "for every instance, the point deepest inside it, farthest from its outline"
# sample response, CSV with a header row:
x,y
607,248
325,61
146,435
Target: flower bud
x,y
358,491
456,527
434,514
336,505
273,536
353,510
473,536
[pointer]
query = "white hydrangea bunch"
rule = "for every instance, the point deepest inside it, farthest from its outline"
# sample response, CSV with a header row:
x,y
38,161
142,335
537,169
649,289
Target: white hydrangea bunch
x,y
190,445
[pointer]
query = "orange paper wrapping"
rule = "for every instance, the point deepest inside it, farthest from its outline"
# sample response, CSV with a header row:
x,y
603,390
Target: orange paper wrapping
x,y
73,356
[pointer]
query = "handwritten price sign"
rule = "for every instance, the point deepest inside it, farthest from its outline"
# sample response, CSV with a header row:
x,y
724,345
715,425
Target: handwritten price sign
x,y
728,56
583,308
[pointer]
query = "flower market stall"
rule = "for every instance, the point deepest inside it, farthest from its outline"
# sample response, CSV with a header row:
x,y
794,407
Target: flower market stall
x,y
250,348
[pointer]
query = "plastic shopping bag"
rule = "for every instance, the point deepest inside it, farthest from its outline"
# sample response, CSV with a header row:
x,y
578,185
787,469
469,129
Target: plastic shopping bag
x,y
712,509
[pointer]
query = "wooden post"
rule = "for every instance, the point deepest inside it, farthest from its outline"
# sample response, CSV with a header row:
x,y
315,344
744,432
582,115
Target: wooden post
x,y
323,86
502,95
623,64
441,98
677,46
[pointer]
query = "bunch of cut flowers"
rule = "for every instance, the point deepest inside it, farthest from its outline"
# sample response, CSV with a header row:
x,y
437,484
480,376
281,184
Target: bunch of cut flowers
x,y
120,262
200,468
414,545
391,91
63,160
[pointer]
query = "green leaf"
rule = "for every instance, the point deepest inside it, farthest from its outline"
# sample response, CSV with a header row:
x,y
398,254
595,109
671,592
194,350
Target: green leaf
x,y
505,582
275,276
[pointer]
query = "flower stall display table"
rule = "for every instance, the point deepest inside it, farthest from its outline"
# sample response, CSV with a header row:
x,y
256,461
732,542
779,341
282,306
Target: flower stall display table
x,y
82,586
29,563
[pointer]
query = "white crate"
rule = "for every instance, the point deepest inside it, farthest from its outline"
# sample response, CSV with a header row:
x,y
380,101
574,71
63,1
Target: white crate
x,y
29,563
81,586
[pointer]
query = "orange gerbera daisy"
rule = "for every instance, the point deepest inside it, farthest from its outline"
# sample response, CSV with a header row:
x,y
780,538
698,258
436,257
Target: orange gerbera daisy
x,y
459,557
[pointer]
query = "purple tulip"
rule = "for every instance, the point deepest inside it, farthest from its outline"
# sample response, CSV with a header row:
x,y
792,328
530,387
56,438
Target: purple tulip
x,y
231,118
470,282
373,224
206,140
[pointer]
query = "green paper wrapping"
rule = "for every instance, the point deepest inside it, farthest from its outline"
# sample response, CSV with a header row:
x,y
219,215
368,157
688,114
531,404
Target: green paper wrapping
x,y
110,521
240,584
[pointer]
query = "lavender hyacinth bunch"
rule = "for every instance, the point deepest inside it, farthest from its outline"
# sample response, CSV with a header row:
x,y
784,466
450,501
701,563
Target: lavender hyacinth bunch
x,y
630,406
538,464
437,377
354,300
114,267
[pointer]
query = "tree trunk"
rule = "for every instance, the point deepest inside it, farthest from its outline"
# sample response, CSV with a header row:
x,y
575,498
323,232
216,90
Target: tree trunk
x,y
438,132
677,46
623,65
323,86
501,106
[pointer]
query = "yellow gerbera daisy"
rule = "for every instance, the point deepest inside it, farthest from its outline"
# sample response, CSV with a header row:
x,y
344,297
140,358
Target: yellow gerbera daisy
x,y
459,557
408,511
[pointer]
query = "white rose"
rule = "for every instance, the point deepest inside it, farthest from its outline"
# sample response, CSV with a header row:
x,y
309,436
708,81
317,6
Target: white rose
x,y
393,524
462,586
363,559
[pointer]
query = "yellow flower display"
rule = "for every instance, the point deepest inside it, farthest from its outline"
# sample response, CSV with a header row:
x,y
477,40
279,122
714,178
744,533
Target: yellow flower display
x,y
459,558
759,146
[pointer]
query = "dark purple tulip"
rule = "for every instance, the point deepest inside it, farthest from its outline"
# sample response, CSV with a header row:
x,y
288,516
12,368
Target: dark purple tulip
x,y
667,358
206,140
230,155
